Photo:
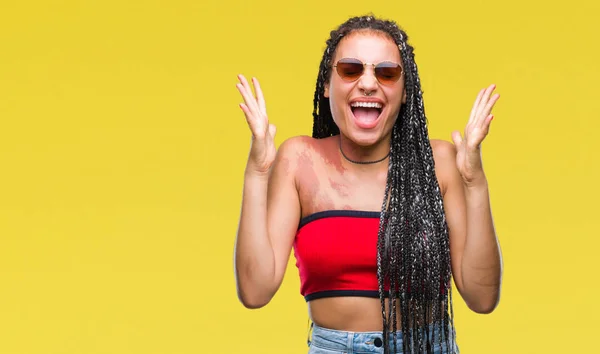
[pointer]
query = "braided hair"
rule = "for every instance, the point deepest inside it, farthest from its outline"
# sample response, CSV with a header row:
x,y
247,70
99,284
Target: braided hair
x,y
413,251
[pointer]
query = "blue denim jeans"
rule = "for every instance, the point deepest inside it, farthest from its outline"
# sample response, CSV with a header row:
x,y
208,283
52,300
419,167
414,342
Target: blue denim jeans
x,y
328,341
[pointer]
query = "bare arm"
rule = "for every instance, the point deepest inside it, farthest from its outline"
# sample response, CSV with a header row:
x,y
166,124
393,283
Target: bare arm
x,y
270,209
268,223
475,251
482,262
476,255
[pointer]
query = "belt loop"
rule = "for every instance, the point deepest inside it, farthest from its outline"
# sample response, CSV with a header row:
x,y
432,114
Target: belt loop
x,y
350,343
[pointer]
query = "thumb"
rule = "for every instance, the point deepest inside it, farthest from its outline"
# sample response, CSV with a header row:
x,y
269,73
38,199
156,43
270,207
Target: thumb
x,y
456,138
272,130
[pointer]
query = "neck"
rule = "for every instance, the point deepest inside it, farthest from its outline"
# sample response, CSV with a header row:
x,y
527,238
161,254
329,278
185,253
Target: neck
x,y
375,154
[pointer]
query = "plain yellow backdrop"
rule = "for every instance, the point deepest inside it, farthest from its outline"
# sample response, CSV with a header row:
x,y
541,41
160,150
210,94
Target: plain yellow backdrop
x,y
122,149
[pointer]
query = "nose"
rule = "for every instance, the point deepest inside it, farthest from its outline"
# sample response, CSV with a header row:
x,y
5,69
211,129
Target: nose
x,y
368,82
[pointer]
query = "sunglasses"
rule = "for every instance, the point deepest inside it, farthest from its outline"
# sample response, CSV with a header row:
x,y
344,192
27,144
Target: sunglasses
x,y
350,69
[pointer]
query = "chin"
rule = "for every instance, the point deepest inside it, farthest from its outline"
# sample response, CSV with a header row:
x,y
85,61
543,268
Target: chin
x,y
363,138
367,137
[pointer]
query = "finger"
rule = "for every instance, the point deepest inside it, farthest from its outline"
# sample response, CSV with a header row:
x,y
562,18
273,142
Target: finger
x,y
249,97
486,113
260,97
487,122
272,130
475,105
253,124
248,115
484,101
456,138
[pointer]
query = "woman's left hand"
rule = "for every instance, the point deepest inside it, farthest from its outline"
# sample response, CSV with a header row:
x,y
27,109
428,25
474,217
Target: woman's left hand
x,y
468,156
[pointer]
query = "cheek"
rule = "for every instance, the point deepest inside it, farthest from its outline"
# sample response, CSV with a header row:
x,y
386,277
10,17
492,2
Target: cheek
x,y
395,111
396,99
333,110
337,106
338,94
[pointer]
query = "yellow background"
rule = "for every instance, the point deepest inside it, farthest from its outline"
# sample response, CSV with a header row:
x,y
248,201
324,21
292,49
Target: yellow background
x,y
122,149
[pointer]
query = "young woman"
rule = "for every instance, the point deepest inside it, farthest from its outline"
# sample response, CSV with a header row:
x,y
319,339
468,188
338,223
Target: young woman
x,y
380,217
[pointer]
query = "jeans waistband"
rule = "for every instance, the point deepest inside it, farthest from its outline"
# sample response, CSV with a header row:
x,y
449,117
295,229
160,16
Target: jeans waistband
x,y
372,342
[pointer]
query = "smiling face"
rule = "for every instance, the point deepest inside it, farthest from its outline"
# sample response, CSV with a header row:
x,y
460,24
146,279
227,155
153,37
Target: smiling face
x,y
365,110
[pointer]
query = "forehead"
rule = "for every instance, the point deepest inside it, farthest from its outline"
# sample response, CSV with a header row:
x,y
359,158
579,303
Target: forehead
x,y
369,47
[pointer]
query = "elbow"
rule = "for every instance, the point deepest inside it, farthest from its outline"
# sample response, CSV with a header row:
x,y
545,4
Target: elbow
x,y
484,305
252,301
253,292
252,295
482,296
483,309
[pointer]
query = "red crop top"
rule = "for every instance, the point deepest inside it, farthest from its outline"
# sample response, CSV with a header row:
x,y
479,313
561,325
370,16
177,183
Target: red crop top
x,y
336,254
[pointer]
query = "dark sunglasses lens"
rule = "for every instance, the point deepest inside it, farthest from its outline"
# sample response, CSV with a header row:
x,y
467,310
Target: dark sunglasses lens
x,y
388,73
349,70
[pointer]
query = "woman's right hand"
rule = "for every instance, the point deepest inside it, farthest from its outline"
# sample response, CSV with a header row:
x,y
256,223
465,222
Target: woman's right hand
x,y
262,150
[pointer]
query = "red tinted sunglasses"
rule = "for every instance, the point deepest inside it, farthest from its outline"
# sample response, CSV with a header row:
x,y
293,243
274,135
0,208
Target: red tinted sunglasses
x,y
350,69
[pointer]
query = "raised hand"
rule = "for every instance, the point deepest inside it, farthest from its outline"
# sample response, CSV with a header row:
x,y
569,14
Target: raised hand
x,y
468,157
262,150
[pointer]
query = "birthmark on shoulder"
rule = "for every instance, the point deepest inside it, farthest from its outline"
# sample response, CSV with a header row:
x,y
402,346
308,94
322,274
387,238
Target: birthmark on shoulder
x,y
327,149
313,195
305,161
324,202
340,188
333,159
309,181
285,165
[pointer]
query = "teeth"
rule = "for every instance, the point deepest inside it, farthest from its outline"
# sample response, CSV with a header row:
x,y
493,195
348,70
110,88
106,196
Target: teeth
x,y
367,104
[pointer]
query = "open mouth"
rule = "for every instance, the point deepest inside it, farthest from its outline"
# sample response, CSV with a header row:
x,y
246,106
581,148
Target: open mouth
x,y
366,114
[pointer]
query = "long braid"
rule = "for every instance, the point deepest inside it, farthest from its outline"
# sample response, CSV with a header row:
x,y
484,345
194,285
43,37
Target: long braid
x,y
413,249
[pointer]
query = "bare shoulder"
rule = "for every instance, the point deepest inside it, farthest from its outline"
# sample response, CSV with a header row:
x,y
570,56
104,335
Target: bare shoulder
x,y
291,152
299,145
443,150
444,155
291,148
295,144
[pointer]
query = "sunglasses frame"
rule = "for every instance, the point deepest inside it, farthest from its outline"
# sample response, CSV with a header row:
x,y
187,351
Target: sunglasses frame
x,y
364,69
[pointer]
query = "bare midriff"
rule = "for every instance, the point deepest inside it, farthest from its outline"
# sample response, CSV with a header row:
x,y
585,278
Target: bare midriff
x,y
357,314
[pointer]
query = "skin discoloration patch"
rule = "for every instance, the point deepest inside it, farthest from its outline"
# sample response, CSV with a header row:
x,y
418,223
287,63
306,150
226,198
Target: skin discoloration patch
x,y
342,189
332,157
328,150
314,192
324,203
285,165
309,181
306,167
